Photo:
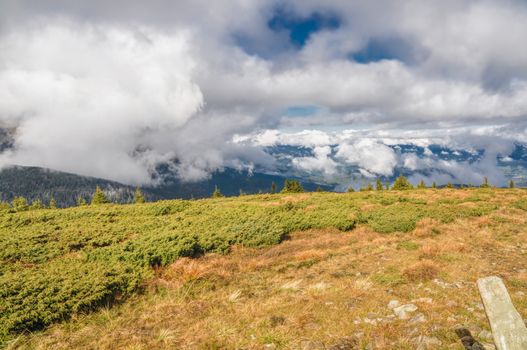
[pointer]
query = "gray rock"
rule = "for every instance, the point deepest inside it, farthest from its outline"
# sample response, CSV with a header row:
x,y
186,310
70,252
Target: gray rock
x,y
404,311
419,318
393,304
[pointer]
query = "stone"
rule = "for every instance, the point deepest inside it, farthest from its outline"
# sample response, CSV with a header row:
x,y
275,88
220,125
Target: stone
x,y
393,304
419,318
269,346
404,311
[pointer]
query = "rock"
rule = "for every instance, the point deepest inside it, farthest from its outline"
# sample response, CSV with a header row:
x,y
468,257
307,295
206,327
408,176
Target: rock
x,y
441,284
370,321
423,300
489,346
419,318
393,304
424,343
403,311
312,345
269,346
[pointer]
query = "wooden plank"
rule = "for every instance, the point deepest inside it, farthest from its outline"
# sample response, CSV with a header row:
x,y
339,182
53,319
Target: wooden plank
x,y
508,328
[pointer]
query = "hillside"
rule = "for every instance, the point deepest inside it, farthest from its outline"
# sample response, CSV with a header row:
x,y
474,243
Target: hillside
x,y
40,183
302,271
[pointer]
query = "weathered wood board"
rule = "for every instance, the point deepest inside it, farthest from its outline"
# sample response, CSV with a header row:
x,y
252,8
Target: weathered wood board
x,y
508,327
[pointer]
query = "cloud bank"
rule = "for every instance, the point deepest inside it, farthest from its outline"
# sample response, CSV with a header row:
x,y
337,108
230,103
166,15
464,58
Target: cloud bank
x,y
113,89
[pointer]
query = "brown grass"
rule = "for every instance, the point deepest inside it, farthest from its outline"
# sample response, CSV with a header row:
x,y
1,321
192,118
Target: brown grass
x,y
320,287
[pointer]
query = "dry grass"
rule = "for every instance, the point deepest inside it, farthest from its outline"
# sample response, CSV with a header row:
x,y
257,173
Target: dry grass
x,y
319,288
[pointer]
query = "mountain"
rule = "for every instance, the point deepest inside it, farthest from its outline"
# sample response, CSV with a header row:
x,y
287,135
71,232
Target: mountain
x,y
39,183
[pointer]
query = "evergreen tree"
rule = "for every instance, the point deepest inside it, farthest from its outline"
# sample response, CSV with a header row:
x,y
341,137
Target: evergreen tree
x,y
216,193
351,189
292,186
37,204
367,188
434,185
20,204
401,183
379,185
99,197
421,184
511,184
81,201
387,187
449,185
319,189
138,196
52,203
485,183
273,187
4,206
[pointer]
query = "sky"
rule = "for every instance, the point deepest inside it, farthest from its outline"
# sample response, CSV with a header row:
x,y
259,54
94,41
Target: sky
x,y
114,88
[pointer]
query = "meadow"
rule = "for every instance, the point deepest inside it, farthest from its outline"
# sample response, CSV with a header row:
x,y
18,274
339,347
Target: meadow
x,y
255,271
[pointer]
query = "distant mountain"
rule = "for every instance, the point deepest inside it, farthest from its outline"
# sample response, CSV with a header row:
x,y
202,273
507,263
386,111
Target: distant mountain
x,y
39,183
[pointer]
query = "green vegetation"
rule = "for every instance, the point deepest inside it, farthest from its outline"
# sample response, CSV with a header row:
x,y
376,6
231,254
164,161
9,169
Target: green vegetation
x,y
292,186
401,183
99,197
216,193
138,196
60,262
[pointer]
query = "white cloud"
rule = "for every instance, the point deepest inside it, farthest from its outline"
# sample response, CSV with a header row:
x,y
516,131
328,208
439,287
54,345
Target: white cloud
x,y
370,155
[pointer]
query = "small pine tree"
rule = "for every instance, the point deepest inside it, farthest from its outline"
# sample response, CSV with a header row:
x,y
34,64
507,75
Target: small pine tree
x,y
99,197
449,185
401,183
485,183
367,188
4,206
37,204
387,187
292,186
20,204
379,186
273,187
319,189
216,193
81,201
511,184
351,189
52,203
421,184
434,185
138,196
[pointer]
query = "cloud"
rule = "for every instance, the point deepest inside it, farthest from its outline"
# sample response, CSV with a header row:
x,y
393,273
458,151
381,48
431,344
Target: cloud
x,y
321,162
113,89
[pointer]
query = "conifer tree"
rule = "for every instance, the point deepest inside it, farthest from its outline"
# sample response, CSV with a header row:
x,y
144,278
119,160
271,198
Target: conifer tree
x,y
511,184
319,189
81,201
138,196
449,185
20,203
37,204
52,203
351,189
379,186
421,184
99,197
292,186
387,187
216,193
367,188
401,183
273,187
485,183
434,185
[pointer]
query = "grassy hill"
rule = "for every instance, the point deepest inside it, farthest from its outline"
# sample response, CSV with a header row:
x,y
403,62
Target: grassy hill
x,y
314,271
